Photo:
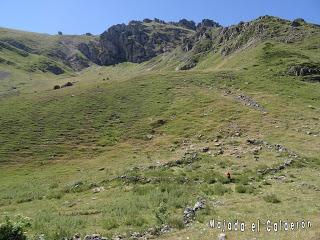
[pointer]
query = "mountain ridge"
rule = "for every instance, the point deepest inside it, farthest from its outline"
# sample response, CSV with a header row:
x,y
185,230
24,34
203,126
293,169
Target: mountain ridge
x,y
139,41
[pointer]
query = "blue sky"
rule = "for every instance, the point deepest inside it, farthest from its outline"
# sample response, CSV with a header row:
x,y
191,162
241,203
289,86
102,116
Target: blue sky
x,y
95,16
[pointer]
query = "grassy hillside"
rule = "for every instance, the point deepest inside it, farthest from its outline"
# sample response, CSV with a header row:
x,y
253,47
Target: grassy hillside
x,y
154,140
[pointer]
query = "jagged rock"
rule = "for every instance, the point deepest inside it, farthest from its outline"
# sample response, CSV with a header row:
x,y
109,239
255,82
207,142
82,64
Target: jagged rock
x,y
187,24
91,50
77,62
298,22
147,20
55,69
207,23
137,42
199,205
18,44
189,213
304,69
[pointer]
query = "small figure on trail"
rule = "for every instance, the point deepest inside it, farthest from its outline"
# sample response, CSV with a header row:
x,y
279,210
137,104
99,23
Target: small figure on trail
x,y
229,176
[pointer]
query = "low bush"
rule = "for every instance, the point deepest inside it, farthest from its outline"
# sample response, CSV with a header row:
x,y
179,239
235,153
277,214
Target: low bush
x,y
271,198
10,230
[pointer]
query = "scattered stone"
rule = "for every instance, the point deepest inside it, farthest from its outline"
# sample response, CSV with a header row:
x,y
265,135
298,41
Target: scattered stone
x,y
41,237
149,136
256,150
218,203
237,134
250,102
254,141
76,237
281,178
220,152
94,237
205,149
280,148
310,186
189,213
68,84
98,189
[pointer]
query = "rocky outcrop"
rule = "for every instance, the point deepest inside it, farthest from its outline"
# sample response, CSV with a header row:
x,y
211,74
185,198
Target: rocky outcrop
x,y
210,36
91,50
304,69
187,24
189,213
207,23
137,42
298,22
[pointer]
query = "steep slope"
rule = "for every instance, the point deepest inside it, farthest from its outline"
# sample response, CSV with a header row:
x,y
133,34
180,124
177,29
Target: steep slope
x,y
135,42
58,48
228,40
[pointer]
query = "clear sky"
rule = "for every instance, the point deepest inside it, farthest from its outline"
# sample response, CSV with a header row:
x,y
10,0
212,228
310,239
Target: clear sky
x,y
95,16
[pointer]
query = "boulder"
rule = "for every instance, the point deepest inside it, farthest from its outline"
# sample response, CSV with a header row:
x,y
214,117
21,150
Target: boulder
x,y
304,69
67,84
205,149
98,189
298,22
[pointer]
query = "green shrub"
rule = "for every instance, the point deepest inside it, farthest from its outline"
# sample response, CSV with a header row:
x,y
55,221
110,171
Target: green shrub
x,y
176,222
271,198
161,214
241,189
55,194
14,230
244,189
219,189
110,223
